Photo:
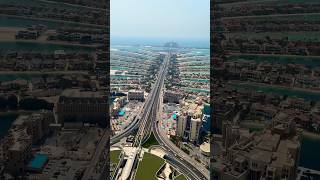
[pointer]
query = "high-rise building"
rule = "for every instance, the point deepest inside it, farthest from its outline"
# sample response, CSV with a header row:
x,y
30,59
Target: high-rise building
x,y
181,123
189,122
195,129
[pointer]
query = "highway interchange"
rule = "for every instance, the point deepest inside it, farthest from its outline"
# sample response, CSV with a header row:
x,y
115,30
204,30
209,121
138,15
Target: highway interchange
x,y
149,122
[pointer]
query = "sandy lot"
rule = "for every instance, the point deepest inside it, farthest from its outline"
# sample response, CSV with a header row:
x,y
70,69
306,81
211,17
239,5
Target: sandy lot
x,y
8,33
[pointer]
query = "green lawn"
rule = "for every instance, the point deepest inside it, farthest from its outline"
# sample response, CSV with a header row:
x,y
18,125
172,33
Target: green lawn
x,y
148,167
114,156
150,142
180,177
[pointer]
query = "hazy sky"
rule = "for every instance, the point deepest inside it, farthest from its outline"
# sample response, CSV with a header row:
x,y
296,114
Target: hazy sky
x,y
166,19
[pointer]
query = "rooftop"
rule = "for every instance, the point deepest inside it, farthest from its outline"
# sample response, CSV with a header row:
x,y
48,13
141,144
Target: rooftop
x,y
78,93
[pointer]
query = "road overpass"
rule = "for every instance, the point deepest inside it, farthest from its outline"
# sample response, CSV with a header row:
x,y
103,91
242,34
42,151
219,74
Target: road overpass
x,y
148,123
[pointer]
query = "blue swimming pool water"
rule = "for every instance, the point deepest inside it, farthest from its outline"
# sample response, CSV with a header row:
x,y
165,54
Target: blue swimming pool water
x,y
38,161
122,112
174,116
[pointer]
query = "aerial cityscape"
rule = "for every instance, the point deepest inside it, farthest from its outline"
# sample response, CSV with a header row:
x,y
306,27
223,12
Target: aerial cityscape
x,y
266,89
53,89
159,90
181,116
160,109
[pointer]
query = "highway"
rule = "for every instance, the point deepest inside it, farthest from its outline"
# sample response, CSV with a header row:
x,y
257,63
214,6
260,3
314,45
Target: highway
x,y
189,167
146,124
177,157
126,132
180,158
137,120
141,122
149,122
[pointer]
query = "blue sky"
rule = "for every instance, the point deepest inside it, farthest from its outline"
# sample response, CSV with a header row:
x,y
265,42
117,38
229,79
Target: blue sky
x,y
160,19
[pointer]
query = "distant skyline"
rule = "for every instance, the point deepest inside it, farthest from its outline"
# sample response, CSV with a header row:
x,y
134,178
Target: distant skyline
x,y
184,21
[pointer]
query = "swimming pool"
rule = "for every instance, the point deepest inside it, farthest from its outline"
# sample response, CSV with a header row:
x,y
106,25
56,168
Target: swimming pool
x,y
38,162
122,112
174,116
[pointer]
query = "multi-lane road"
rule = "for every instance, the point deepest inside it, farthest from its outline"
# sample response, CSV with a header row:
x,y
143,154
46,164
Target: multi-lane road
x,y
148,122
189,167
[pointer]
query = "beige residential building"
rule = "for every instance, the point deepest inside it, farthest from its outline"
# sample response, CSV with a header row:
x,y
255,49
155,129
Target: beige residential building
x,y
269,155
189,121
181,123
